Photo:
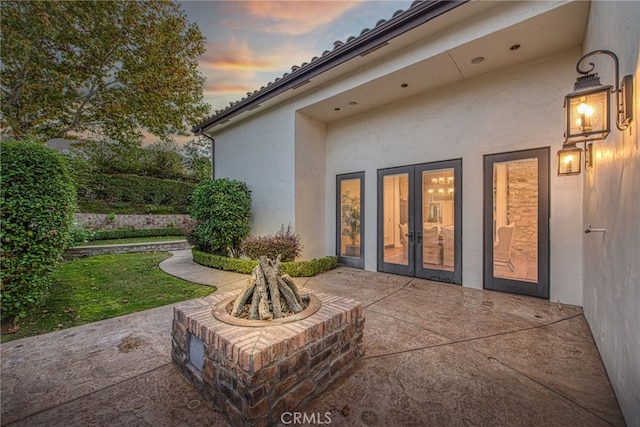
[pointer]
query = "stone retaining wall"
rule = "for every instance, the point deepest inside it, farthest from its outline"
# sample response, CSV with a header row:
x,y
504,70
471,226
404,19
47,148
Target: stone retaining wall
x,y
253,375
102,222
85,251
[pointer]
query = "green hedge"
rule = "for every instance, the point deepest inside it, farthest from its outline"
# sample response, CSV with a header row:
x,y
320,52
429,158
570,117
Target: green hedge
x,y
293,269
126,208
309,268
125,234
37,203
221,209
224,263
136,189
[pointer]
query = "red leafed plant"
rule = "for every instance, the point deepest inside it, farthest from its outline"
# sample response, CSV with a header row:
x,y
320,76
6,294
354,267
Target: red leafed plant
x,y
285,243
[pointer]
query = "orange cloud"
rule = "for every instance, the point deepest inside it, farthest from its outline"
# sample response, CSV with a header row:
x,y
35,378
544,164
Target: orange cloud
x,y
216,88
235,55
295,17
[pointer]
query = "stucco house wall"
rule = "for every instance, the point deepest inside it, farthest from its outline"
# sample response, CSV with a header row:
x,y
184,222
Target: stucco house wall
x,y
290,158
310,169
512,109
262,154
612,201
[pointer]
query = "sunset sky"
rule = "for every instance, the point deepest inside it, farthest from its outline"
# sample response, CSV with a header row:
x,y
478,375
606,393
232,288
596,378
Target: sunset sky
x,y
250,43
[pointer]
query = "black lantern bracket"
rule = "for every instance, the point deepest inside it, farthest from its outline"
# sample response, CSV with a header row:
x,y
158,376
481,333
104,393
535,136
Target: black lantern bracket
x,y
588,112
623,91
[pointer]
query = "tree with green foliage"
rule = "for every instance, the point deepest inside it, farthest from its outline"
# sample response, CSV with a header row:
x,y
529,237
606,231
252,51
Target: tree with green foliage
x,y
222,208
163,160
37,203
112,69
197,154
110,157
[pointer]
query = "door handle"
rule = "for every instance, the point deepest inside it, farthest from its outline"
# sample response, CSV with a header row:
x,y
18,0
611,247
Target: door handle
x,y
410,237
419,237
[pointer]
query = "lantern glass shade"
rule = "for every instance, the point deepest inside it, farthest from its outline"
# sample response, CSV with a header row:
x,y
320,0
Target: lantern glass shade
x,y
587,112
569,160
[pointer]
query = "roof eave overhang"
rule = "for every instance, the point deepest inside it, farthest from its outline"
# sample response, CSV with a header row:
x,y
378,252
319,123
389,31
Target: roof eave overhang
x,y
369,41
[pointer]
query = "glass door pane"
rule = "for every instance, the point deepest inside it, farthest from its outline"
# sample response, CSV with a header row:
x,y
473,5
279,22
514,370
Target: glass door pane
x,y
350,219
395,219
515,220
438,214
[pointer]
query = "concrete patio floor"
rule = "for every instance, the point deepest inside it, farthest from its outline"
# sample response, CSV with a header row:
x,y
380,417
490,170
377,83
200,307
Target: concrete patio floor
x,y
436,355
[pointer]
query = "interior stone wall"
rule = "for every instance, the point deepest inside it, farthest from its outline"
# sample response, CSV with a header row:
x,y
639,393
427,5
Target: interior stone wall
x,y
523,208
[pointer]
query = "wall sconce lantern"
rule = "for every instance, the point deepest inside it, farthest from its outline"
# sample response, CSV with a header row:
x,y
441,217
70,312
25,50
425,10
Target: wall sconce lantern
x,y
569,160
588,110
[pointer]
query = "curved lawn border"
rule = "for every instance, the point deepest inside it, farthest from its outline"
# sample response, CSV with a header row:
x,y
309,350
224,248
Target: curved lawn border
x,y
293,269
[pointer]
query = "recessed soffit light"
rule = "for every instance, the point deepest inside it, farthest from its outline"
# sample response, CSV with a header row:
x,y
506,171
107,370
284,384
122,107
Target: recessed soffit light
x,y
478,60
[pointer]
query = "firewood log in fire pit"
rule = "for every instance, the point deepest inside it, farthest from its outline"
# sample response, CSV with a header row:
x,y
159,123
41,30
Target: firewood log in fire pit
x,y
268,294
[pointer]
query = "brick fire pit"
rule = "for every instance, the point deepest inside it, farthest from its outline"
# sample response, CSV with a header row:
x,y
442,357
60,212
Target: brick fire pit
x,y
254,371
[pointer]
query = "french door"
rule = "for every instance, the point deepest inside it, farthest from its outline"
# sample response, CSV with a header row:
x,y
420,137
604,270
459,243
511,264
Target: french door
x,y
516,222
350,219
420,221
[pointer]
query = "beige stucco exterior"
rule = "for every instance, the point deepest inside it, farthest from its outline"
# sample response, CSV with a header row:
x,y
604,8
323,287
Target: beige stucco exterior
x,y
612,201
507,110
290,152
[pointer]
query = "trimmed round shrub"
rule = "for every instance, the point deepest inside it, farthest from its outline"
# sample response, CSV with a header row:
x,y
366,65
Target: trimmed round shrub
x,y
222,208
37,204
188,232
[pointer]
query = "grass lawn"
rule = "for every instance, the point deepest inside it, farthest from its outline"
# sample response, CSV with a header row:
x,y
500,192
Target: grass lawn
x,y
133,240
89,289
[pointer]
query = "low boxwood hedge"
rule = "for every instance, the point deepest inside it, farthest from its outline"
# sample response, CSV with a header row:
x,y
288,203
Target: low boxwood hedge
x,y
144,232
293,269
